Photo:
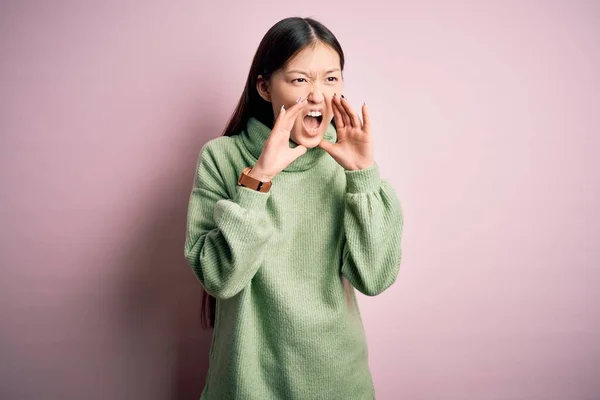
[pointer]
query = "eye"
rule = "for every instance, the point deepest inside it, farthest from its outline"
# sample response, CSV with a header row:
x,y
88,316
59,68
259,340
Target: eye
x,y
332,79
298,80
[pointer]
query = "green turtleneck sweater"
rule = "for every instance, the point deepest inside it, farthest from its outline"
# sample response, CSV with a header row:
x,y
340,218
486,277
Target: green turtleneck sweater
x,y
275,262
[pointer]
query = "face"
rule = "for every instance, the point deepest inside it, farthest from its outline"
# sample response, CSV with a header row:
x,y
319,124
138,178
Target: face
x,y
314,72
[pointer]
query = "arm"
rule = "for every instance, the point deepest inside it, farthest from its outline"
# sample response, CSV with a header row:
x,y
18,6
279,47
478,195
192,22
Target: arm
x,y
373,223
225,238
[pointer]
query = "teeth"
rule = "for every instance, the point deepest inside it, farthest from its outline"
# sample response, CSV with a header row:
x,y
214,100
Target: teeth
x,y
314,113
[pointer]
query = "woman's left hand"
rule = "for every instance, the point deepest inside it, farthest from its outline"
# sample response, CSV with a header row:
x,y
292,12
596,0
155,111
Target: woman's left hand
x,y
354,147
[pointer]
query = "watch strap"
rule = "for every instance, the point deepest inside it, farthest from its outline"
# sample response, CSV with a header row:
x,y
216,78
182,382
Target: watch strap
x,y
253,183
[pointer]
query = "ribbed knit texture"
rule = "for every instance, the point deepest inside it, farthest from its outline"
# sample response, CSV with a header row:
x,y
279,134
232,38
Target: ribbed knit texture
x,y
274,261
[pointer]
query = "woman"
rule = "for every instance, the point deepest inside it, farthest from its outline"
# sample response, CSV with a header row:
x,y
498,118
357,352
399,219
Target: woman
x,y
287,215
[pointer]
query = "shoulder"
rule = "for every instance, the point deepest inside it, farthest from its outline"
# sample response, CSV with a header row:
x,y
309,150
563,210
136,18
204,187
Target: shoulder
x,y
213,155
219,160
220,151
217,148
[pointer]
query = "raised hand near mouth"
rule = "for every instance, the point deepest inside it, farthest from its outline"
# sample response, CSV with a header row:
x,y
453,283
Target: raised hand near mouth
x,y
277,153
354,147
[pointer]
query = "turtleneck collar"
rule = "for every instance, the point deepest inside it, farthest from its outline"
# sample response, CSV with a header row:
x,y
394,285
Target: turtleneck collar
x,y
256,133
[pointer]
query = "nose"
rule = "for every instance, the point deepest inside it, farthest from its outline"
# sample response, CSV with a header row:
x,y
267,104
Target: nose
x,y
316,94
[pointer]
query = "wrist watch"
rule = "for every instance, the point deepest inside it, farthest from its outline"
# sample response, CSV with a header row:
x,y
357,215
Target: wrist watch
x,y
253,183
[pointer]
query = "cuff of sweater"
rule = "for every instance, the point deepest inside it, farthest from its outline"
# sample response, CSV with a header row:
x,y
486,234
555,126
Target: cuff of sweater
x,y
363,180
250,199
246,198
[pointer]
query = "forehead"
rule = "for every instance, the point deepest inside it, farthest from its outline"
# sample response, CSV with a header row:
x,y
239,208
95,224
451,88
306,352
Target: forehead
x,y
318,58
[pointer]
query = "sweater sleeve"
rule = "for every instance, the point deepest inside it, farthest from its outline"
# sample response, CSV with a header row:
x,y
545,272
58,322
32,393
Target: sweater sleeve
x,y
225,237
373,224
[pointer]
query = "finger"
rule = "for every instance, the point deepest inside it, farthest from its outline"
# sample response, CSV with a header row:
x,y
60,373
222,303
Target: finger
x,y
366,118
298,151
286,117
329,105
345,116
279,120
292,113
301,103
337,115
355,121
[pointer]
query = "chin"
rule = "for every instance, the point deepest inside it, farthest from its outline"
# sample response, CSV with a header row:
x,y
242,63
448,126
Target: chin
x,y
308,141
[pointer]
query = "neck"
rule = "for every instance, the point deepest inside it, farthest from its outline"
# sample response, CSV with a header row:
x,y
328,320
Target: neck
x,y
256,133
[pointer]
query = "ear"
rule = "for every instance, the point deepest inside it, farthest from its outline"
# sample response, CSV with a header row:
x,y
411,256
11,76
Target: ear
x,y
262,86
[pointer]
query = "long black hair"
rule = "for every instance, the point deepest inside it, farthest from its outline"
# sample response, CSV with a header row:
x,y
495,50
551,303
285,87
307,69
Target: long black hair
x,y
282,41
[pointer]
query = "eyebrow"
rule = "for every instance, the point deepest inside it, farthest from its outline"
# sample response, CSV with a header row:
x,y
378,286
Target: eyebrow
x,y
297,71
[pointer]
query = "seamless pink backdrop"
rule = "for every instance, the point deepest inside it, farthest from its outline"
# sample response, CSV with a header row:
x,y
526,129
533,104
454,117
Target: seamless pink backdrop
x,y
486,121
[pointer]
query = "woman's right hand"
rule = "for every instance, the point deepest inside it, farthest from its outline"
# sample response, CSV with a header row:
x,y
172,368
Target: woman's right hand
x,y
277,153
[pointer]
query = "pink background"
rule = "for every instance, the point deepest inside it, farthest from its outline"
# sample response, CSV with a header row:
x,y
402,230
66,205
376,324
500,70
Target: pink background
x,y
486,118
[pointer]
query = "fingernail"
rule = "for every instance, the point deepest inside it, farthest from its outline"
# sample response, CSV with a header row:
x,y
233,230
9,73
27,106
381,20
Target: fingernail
x,y
364,103
334,94
343,97
298,100
282,108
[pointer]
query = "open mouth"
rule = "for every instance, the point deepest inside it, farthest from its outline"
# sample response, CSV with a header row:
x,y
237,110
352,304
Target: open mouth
x,y
312,121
